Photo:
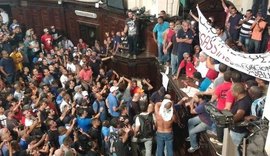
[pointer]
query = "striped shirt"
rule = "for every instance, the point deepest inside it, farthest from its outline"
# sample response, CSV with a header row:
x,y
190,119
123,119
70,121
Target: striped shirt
x,y
246,27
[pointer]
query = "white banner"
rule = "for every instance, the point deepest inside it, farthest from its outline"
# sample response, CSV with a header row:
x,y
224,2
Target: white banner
x,y
257,65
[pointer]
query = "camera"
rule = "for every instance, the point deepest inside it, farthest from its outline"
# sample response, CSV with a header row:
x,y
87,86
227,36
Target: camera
x,y
223,117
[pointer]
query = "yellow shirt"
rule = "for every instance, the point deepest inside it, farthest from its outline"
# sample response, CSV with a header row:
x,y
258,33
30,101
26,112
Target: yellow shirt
x,y
18,59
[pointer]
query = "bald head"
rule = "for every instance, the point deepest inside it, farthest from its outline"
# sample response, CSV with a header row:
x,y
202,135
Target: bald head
x,y
255,92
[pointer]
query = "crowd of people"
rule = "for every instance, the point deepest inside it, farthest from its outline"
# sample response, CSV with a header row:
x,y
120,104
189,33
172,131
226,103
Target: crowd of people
x,y
229,89
58,98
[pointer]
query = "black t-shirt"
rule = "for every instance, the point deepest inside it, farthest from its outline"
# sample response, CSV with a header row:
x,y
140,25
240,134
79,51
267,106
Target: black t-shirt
x,y
156,97
121,149
95,65
53,138
184,47
134,109
244,104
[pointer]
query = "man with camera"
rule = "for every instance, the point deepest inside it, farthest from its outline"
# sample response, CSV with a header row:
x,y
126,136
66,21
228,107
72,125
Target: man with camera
x,y
256,36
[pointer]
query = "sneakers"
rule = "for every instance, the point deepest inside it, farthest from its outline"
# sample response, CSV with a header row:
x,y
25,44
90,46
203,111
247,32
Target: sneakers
x,y
127,55
187,139
192,150
214,141
134,56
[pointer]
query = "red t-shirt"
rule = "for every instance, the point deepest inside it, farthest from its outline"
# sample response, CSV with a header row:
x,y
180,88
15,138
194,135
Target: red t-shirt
x,y
190,69
230,98
212,74
170,34
86,75
47,40
221,93
81,46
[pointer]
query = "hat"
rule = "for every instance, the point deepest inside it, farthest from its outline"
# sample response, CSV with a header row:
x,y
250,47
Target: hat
x,y
76,88
52,27
45,30
84,93
165,113
113,88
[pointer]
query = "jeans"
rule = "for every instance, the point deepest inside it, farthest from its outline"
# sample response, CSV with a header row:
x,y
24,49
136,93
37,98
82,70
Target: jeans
x,y
237,139
254,46
174,63
244,40
195,126
163,58
164,139
132,44
148,145
234,35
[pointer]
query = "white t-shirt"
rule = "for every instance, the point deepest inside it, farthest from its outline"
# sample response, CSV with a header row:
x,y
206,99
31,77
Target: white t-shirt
x,y
78,96
71,67
5,17
3,121
63,80
28,122
202,68
62,105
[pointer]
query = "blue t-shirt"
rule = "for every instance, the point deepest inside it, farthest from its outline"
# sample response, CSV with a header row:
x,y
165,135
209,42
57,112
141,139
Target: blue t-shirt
x,y
23,144
105,131
205,84
203,115
61,139
113,102
8,65
96,108
160,28
84,123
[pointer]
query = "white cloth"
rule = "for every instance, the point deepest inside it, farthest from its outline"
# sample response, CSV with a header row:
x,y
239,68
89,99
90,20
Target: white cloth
x,y
166,114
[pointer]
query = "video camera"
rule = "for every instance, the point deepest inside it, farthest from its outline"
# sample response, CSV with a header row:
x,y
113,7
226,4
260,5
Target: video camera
x,y
223,117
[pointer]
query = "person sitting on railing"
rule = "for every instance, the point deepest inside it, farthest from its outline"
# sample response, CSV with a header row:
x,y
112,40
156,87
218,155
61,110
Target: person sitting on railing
x,y
187,65
199,123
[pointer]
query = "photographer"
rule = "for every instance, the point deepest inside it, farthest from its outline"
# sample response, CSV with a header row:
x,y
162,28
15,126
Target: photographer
x,y
256,36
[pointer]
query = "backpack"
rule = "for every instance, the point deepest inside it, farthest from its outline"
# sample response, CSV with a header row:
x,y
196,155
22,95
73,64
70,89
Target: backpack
x,y
146,128
113,138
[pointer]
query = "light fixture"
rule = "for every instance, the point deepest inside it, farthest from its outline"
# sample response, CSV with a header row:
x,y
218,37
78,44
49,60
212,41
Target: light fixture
x,y
59,2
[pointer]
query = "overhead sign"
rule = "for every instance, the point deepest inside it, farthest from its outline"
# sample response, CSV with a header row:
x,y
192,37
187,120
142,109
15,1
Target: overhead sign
x,y
85,14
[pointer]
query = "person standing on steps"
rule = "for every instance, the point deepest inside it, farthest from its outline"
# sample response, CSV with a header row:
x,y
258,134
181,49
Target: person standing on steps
x,y
158,31
131,28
